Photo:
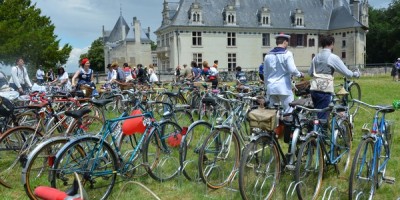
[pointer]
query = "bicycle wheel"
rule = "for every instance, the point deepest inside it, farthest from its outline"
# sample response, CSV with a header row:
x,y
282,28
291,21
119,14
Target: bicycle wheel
x,y
27,118
95,163
363,176
219,158
343,137
161,151
190,146
309,169
385,150
15,145
259,169
127,145
183,118
354,93
37,169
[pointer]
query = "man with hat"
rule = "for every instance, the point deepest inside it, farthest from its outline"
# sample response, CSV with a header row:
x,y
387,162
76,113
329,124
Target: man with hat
x,y
279,66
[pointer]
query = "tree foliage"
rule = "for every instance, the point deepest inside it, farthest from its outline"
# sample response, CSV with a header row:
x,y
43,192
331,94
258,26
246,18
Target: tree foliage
x,y
383,41
25,33
96,55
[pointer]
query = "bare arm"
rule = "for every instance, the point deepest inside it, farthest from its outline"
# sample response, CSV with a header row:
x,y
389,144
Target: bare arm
x,y
75,77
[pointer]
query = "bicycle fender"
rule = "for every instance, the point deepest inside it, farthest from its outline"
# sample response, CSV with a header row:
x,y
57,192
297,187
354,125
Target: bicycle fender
x,y
255,137
307,136
369,135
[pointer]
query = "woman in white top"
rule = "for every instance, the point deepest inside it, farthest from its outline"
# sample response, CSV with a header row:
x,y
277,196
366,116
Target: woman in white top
x,y
19,80
152,74
62,80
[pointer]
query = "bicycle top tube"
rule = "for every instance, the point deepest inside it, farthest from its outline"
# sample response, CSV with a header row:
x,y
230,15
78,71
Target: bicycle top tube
x,y
379,108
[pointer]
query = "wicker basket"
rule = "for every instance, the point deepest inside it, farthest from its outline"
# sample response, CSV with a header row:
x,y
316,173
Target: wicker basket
x,y
125,86
86,89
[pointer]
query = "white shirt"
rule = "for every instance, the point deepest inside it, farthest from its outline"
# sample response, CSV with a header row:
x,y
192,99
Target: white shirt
x,y
39,74
19,76
67,84
111,75
278,69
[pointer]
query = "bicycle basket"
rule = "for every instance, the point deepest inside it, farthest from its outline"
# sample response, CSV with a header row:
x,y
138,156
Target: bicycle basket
x,y
302,88
6,107
263,119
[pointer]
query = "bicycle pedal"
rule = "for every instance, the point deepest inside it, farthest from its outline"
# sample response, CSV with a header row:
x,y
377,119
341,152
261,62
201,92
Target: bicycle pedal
x,y
290,167
389,180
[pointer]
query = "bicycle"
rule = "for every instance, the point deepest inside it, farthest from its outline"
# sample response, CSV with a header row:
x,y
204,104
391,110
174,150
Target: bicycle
x,y
368,171
353,91
313,154
98,162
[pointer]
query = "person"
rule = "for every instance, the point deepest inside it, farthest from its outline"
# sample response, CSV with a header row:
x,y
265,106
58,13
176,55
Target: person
x,y
128,72
196,71
212,74
120,73
215,64
186,73
177,73
261,72
325,63
396,70
134,73
40,75
141,74
50,75
279,66
19,80
240,76
62,79
84,75
152,74
111,76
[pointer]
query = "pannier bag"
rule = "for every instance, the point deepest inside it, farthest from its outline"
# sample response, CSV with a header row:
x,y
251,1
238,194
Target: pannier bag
x,y
302,88
263,119
6,107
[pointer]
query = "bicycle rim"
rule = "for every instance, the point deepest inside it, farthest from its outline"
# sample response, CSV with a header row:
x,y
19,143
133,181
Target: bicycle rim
x,y
354,93
38,168
259,169
191,144
15,145
127,145
343,146
362,183
219,158
309,169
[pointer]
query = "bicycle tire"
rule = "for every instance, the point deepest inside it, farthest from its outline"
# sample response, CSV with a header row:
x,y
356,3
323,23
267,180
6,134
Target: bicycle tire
x,y
359,185
161,156
15,145
313,169
84,156
189,149
40,160
210,153
354,93
259,172
343,145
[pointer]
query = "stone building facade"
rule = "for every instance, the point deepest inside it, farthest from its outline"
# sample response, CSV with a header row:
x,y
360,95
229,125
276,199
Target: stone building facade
x,y
241,32
125,43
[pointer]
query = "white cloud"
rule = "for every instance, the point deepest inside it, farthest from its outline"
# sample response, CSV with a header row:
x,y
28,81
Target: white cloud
x,y
73,61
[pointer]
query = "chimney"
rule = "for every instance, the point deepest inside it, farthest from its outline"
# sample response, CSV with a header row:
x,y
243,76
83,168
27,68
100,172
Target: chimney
x,y
136,30
355,9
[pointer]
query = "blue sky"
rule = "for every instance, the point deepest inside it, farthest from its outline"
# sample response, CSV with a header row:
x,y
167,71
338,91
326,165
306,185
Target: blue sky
x,y
79,22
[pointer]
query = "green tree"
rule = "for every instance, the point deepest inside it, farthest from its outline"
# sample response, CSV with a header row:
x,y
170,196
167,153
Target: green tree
x,y
25,33
96,55
153,46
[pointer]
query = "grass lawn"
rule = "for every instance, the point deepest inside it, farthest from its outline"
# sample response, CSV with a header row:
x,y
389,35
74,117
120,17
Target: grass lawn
x,y
375,90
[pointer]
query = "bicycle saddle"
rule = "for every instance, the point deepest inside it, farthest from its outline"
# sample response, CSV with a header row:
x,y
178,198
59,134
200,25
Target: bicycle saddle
x,y
77,113
101,102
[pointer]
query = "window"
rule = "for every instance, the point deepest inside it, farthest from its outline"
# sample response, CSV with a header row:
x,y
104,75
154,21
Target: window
x,y
344,43
231,39
198,58
311,42
299,22
343,34
167,40
300,40
196,38
231,61
343,54
265,39
265,20
231,19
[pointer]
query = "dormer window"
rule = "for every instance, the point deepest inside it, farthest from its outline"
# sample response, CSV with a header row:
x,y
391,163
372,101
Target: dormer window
x,y
264,17
298,18
229,15
195,14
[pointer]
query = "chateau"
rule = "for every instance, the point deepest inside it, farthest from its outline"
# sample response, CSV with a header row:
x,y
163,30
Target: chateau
x,y
241,32
127,44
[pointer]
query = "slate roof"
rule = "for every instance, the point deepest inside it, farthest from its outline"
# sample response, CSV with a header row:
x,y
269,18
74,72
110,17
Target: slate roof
x,y
317,14
116,33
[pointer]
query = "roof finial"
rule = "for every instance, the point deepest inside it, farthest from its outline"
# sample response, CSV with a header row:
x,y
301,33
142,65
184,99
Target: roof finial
x,y
120,9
